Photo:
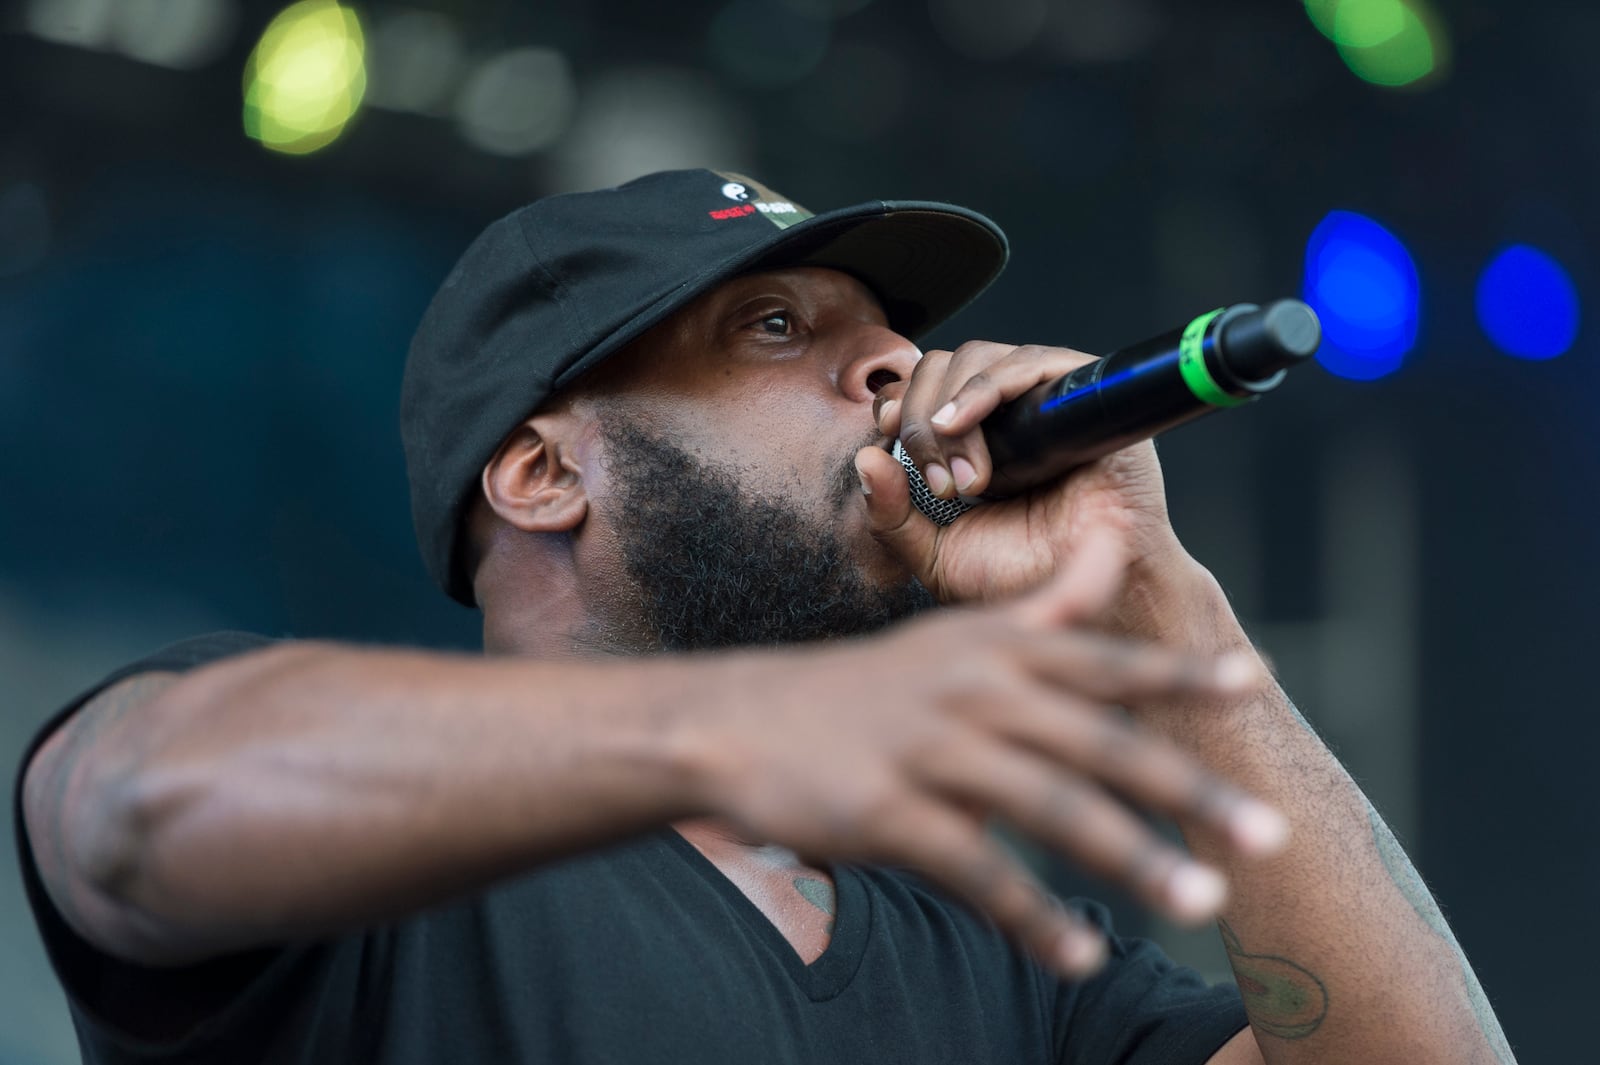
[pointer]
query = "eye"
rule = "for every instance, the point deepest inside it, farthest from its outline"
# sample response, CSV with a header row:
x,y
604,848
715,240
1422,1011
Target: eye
x,y
778,323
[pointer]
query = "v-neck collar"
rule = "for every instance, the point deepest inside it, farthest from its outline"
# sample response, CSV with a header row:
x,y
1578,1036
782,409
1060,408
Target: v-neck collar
x,y
832,971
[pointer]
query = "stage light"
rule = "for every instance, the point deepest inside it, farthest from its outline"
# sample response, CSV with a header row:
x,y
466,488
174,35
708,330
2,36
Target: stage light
x,y
306,77
181,34
1322,12
1405,56
1527,304
991,30
1390,43
414,59
83,23
1368,23
517,102
633,120
1363,284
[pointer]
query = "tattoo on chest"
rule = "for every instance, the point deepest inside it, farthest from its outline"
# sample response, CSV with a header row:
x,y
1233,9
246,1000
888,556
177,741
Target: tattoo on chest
x,y
819,893
1282,998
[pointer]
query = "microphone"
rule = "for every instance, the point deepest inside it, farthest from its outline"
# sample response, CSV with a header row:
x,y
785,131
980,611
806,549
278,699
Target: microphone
x,y
1222,359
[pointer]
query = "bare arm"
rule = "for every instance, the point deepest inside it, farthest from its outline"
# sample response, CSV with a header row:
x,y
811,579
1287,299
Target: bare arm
x,y
309,788
1338,947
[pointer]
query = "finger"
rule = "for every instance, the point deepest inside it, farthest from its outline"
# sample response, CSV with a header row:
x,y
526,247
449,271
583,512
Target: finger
x,y
1085,586
975,395
956,853
892,519
1146,770
969,462
966,453
1080,821
886,408
916,432
1115,670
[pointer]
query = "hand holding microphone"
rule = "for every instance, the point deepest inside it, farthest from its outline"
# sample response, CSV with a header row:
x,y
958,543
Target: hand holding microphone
x,y
1221,359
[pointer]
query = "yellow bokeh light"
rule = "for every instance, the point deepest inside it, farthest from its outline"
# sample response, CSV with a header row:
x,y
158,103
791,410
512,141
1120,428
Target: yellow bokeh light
x,y
306,77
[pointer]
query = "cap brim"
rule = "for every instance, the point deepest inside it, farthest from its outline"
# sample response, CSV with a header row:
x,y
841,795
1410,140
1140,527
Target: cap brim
x,y
924,261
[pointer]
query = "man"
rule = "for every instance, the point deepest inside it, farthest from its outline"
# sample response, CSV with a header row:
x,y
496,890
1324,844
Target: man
x,y
652,419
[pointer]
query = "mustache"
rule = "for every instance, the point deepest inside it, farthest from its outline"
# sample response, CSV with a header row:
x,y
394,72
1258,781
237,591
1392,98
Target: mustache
x,y
846,482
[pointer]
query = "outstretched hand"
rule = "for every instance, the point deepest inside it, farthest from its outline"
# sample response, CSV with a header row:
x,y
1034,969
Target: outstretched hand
x,y
898,749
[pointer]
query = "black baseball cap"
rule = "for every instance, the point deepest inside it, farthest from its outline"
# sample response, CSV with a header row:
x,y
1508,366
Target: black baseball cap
x,y
552,289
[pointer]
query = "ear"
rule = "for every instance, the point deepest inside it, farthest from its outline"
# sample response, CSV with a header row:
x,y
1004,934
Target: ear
x,y
533,484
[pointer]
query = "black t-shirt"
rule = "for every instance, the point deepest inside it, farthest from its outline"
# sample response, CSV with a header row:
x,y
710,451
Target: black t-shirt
x,y
640,952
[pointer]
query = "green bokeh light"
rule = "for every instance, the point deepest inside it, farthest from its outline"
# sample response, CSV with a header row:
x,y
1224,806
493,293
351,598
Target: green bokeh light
x,y
1405,58
1322,13
1368,23
1390,43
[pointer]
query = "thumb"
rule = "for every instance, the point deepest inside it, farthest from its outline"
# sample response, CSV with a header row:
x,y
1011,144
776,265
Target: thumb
x,y
1085,585
896,524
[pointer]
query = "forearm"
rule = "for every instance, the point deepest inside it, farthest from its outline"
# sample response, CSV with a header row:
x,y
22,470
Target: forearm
x,y
1338,946
308,788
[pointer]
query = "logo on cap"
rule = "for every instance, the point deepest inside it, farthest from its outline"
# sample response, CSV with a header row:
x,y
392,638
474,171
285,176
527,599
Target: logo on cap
x,y
755,198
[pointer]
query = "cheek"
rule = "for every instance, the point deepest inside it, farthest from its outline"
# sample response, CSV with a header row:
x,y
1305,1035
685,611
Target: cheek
x,y
802,440
773,424
784,430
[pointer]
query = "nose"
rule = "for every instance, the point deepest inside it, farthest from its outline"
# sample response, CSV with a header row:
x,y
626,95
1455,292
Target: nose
x,y
879,357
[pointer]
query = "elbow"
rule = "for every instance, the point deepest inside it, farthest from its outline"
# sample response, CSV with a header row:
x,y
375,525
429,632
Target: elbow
x,y
157,801
129,805
98,848
117,826
149,889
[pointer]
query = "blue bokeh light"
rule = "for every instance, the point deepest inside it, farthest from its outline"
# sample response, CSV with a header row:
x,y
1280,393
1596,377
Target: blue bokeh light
x,y
1362,282
1527,304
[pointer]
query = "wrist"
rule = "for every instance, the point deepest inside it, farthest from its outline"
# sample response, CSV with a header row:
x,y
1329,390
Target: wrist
x,y
1168,597
716,718
1173,600
670,742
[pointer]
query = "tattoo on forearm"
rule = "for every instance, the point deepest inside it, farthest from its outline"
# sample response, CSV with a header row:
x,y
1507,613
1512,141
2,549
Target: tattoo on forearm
x,y
1283,999
1410,883
819,893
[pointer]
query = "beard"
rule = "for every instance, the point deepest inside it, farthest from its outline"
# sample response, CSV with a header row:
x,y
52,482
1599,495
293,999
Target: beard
x,y
714,565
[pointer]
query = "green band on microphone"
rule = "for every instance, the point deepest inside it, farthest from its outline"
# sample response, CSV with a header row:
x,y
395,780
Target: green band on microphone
x,y
1192,364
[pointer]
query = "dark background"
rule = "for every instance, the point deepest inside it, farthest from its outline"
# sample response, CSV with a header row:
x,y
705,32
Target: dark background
x,y
201,344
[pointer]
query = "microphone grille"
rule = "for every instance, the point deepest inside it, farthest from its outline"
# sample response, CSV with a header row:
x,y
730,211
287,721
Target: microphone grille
x,y
939,511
